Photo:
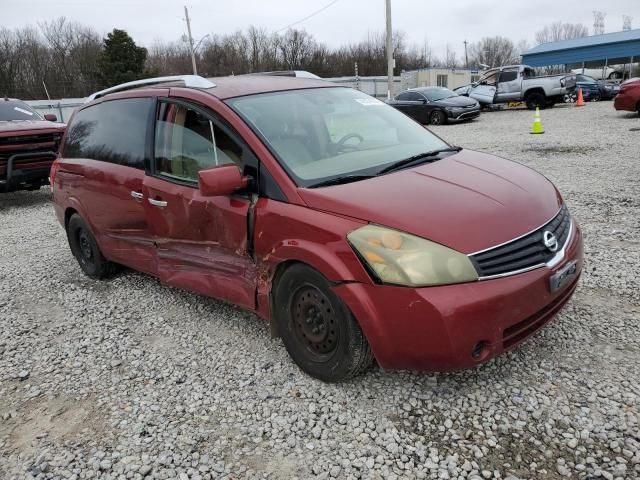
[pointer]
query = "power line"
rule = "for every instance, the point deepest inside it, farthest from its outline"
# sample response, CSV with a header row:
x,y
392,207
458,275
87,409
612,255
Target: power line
x,y
308,16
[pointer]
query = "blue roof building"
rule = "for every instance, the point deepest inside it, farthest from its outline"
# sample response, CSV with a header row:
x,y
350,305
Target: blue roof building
x,y
608,49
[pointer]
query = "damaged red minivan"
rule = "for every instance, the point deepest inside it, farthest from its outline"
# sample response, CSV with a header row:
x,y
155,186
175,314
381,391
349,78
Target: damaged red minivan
x,y
355,231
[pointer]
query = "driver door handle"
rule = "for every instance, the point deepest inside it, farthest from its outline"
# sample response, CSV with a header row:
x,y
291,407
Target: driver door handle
x,y
157,203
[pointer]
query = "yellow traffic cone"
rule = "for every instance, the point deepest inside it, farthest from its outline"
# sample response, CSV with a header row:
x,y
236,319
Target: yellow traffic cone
x,y
537,128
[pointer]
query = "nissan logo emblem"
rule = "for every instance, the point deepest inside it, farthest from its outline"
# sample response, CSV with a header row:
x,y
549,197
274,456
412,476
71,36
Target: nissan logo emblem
x,y
550,241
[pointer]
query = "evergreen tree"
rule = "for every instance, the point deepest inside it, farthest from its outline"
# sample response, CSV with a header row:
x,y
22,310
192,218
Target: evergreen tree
x,y
121,59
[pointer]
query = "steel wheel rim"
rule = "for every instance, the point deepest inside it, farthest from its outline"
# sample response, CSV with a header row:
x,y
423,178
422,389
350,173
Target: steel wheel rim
x,y
84,245
314,322
436,118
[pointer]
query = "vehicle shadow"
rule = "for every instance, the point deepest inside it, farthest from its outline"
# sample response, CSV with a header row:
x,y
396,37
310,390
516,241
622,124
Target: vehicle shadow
x,y
24,198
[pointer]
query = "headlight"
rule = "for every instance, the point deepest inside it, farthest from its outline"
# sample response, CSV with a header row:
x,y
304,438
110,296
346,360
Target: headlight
x,y
402,259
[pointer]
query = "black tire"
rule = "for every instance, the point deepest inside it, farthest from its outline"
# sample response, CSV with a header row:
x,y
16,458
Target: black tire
x,y
536,99
437,117
85,248
318,330
596,97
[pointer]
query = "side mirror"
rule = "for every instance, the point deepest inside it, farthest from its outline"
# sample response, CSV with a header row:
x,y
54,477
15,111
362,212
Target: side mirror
x,y
221,181
50,117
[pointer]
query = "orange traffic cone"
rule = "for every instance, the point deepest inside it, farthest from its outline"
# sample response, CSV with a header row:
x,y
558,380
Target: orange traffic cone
x,y
580,102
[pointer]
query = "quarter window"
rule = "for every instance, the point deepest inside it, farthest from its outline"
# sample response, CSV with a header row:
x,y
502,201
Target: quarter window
x,y
114,131
187,141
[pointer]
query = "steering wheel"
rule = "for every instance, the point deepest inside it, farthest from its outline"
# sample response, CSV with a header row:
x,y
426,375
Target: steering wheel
x,y
341,146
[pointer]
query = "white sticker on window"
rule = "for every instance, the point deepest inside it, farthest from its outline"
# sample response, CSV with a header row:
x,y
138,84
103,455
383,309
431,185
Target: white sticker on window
x,y
368,102
22,110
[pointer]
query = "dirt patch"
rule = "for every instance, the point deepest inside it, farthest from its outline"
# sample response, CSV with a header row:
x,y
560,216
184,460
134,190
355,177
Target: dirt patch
x,y
57,420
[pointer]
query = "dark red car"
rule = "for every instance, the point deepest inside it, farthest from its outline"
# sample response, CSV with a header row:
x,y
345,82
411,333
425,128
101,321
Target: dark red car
x,y
355,231
28,145
629,96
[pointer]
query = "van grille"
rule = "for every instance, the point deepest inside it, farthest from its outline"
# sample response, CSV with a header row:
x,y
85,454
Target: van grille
x,y
525,252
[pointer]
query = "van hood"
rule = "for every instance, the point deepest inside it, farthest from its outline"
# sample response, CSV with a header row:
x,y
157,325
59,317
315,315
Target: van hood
x,y
468,201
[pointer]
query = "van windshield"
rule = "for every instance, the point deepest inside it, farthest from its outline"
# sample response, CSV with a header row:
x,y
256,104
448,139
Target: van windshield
x,y
323,133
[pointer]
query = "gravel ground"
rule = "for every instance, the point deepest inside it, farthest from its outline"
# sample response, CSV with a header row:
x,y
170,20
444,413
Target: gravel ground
x,y
129,378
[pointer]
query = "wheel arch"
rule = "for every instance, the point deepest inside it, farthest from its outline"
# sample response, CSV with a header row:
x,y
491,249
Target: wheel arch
x,y
534,90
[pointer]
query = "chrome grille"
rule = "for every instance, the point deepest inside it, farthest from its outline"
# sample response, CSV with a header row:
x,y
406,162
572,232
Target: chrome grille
x,y
525,252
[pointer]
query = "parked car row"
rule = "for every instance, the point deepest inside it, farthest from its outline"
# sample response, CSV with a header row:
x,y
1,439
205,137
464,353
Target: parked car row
x,y
287,197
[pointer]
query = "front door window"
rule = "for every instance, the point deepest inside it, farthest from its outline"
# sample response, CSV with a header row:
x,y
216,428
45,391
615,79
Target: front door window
x,y
188,141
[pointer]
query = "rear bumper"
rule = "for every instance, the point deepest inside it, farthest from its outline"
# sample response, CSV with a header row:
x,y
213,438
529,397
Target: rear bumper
x,y
438,328
34,170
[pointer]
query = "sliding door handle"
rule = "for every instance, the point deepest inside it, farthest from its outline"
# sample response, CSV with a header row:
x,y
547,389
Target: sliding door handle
x,y
137,196
157,203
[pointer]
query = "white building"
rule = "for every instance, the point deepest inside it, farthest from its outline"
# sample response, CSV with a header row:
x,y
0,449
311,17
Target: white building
x,y
438,77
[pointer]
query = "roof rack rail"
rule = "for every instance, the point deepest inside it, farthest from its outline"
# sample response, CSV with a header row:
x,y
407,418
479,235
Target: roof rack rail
x,y
194,81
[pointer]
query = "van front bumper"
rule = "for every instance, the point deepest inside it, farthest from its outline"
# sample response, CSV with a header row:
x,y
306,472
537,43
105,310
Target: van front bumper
x,y
458,326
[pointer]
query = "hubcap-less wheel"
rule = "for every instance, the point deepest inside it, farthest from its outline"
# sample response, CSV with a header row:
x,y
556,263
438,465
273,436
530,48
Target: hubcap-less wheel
x,y
314,321
86,250
318,330
85,246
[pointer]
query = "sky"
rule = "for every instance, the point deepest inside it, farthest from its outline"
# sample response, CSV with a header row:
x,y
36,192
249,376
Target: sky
x,y
438,22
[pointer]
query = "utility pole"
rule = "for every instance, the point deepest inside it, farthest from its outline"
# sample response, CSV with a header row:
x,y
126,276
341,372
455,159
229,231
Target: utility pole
x,y
193,53
390,60
466,57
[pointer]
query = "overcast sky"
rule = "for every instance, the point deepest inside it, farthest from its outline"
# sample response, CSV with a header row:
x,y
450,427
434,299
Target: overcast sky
x,y
439,22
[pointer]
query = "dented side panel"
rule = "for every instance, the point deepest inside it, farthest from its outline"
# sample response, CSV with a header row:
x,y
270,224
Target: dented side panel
x,y
201,242
286,232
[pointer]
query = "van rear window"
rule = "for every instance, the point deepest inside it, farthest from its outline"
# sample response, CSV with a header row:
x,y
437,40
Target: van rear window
x,y
113,131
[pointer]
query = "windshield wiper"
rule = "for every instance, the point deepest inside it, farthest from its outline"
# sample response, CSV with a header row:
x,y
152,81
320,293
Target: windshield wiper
x,y
340,180
417,159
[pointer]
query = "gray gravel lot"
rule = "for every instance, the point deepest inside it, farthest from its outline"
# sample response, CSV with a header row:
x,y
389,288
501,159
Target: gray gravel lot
x,y
129,378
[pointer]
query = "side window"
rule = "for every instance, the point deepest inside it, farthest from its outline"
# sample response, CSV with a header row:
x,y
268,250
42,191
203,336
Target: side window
x,y
415,97
113,131
186,141
508,76
404,96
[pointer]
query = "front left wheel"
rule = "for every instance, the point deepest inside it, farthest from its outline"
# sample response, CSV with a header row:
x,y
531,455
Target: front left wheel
x,y
437,117
85,248
318,330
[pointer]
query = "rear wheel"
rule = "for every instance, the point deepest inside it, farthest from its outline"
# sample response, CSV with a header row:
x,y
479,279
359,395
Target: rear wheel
x,y
317,329
437,117
85,248
536,99
596,97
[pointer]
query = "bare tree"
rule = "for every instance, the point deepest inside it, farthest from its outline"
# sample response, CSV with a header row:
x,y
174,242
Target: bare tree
x,y
558,31
494,52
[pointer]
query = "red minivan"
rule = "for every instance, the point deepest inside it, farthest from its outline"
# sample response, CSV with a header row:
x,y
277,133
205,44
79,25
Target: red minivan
x,y
356,232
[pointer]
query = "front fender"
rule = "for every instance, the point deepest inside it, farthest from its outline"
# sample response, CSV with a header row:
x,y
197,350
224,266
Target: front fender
x,y
286,233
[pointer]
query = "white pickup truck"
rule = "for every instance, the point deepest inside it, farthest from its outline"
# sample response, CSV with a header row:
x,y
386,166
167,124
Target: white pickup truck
x,y
519,83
